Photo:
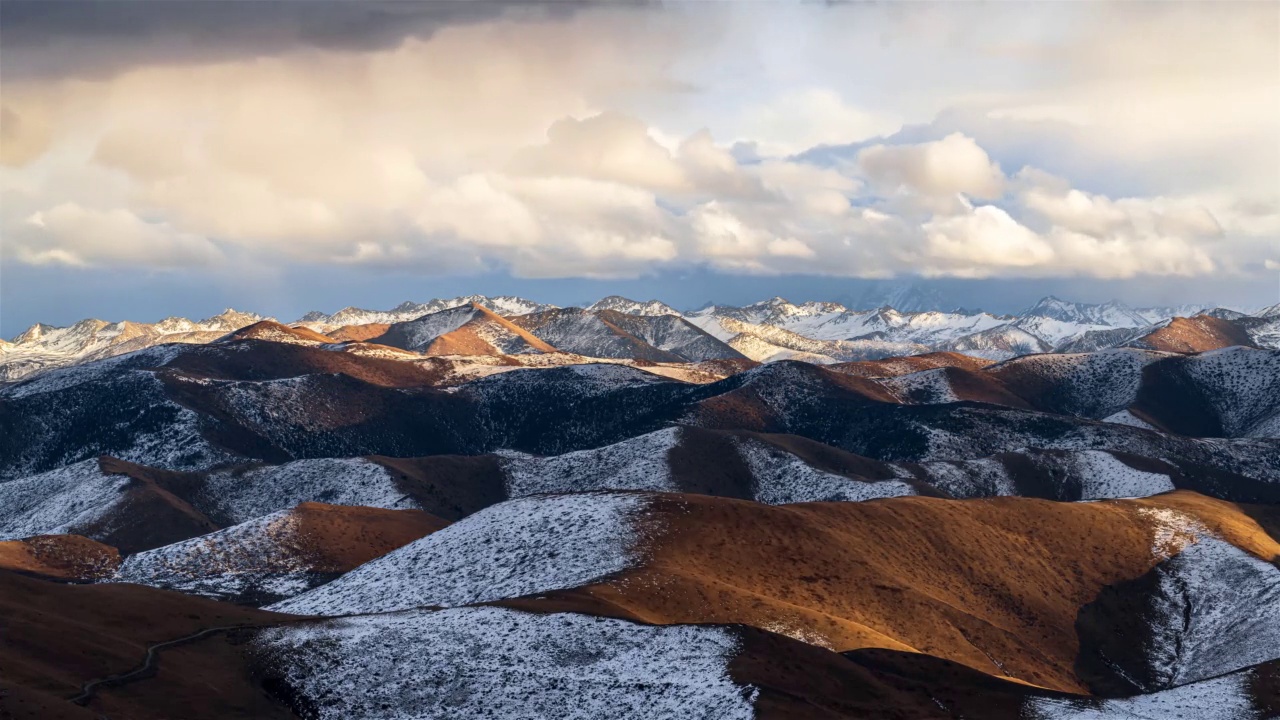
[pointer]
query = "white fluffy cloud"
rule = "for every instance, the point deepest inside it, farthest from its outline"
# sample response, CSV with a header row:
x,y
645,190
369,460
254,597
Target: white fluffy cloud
x,y
599,146
72,235
942,168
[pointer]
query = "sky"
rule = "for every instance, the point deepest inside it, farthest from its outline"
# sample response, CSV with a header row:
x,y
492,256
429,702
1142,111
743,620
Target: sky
x,y
176,158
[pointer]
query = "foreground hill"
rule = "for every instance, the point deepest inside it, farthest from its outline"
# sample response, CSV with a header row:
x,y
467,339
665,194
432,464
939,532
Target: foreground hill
x,y
645,605
1025,589
512,662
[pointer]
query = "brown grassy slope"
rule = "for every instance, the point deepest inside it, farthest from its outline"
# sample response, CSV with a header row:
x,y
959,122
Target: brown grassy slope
x,y
359,333
57,636
992,584
1194,334
983,387
152,514
337,538
277,332
448,486
63,557
264,360
893,367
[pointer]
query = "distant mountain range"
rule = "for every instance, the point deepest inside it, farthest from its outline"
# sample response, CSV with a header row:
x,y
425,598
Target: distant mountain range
x,y
617,327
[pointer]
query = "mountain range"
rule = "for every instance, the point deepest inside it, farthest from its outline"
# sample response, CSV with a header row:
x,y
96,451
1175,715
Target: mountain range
x,y
616,327
484,507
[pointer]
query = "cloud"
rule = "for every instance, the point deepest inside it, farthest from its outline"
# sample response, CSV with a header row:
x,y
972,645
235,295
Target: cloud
x,y
72,235
953,165
981,242
625,142
798,120
610,147
82,38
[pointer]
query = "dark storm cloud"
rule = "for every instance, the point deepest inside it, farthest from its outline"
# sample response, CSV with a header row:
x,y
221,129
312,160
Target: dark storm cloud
x,y
53,38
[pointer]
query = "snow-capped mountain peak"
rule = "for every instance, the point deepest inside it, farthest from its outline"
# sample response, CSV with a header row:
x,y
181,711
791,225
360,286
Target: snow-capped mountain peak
x,y
628,306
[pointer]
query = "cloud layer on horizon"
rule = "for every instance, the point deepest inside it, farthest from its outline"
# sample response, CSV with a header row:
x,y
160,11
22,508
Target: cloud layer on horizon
x,y
620,142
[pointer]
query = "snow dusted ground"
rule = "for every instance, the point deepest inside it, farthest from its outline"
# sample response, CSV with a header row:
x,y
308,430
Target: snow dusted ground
x,y
924,387
106,408
1224,698
1244,386
515,548
501,663
100,371
782,478
1124,417
1093,385
60,501
244,495
984,477
636,464
262,558
1102,475
1080,475
1216,610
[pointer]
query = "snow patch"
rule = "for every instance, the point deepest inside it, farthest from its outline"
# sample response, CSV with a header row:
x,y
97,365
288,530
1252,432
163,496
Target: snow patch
x,y
636,464
501,663
247,494
782,478
515,548
58,502
1103,475
1223,698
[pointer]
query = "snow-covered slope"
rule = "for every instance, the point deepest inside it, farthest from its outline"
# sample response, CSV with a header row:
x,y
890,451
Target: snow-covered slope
x,y
67,500
501,663
504,305
640,463
1230,697
241,495
998,343
264,559
617,303
780,478
515,548
672,334
1207,608
591,334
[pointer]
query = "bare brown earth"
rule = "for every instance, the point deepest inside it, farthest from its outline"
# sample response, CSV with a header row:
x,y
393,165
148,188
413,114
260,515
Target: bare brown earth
x,y
149,495
893,367
991,584
449,486
264,360
359,333
58,636
277,332
337,538
1194,334
62,557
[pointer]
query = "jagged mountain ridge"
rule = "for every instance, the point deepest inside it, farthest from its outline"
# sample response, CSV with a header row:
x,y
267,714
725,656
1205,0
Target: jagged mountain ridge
x,y
771,330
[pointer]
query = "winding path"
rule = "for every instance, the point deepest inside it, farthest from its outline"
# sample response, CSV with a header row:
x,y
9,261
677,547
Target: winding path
x,y
149,662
